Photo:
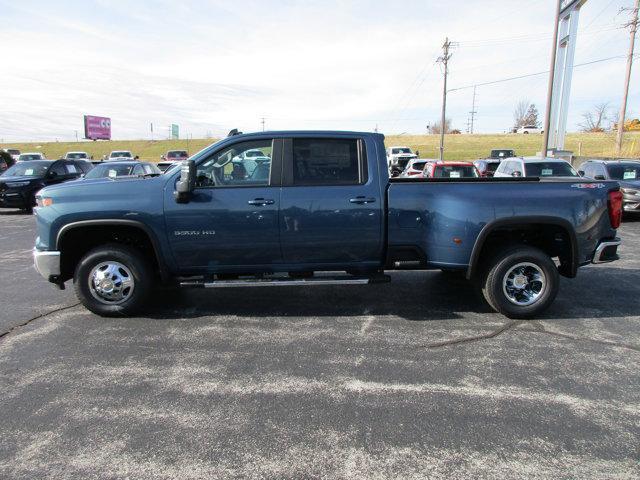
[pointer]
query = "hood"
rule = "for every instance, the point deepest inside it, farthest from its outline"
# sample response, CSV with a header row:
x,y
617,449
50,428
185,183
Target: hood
x,y
19,178
126,186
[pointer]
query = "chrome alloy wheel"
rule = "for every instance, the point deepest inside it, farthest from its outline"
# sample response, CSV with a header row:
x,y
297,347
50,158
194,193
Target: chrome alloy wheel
x,y
524,284
111,283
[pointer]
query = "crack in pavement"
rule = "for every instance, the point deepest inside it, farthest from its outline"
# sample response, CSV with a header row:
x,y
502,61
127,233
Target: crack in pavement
x,y
476,338
42,315
539,328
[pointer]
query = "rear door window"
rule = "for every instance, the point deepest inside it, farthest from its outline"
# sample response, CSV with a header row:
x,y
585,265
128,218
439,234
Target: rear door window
x,y
327,161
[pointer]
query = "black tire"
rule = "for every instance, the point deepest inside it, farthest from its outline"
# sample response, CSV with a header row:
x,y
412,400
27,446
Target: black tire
x,y
493,288
525,133
133,261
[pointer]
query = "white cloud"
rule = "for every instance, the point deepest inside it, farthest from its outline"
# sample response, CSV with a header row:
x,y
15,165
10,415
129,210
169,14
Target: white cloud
x,y
212,66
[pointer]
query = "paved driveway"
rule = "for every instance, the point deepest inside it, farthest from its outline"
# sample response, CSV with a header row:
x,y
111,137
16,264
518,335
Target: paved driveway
x,y
413,379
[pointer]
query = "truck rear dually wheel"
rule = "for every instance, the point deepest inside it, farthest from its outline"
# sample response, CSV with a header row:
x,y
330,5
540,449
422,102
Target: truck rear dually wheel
x,y
113,280
522,282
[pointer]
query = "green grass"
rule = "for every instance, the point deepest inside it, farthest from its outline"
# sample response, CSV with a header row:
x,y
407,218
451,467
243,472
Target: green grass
x,y
457,147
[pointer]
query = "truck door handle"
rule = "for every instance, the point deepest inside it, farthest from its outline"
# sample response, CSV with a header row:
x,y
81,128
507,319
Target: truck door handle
x,y
261,201
361,200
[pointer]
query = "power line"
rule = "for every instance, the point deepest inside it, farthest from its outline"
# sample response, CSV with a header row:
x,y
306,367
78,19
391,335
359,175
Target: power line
x,y
534,74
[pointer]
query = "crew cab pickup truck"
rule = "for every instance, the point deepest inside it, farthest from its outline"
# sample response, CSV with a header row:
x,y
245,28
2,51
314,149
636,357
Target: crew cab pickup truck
x,y
322,203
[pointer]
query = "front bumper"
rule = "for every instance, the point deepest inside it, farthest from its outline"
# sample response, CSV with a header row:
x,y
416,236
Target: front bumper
x,y
12,200
47,264
607,251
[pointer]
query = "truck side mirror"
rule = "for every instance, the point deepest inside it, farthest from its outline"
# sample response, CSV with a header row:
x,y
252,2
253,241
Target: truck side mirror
x,y
581,173
599,177
186,183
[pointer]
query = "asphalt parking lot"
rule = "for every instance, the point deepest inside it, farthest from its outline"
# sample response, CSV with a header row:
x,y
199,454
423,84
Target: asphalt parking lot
x,y
413,379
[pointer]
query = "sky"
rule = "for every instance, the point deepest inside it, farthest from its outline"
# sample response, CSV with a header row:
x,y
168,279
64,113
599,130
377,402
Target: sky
x,y
210,66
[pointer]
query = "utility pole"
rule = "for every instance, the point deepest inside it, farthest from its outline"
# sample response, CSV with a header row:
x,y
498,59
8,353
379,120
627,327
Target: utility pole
x,y
623,107
473,110
76,135
444,59
554,51
263,124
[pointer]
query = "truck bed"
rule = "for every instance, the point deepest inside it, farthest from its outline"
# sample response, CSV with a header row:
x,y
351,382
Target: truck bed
x,y
445,218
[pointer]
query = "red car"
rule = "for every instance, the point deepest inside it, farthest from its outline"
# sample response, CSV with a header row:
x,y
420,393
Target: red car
x,y
450,170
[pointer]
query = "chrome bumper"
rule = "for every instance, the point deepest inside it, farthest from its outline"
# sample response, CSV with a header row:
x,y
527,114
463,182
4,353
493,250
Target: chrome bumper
x,y
47,263
607,251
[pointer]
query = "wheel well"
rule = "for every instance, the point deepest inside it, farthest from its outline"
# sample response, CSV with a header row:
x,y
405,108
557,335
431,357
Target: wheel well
x,y
76,242
554,240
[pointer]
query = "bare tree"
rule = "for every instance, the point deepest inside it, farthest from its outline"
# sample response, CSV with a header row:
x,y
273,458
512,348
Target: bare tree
x,y
520,114
435,126
594,120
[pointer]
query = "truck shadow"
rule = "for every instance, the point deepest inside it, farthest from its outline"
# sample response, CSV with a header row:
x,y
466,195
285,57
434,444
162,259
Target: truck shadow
x,y
413,296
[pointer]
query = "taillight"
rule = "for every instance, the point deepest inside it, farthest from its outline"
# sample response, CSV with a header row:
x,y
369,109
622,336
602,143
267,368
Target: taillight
x,y
615,208
414,173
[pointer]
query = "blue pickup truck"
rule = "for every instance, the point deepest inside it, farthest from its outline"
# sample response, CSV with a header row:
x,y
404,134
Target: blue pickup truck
x,y
317,208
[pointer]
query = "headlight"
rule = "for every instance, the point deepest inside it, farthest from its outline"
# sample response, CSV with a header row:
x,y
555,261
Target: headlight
x,y
43,201
18,184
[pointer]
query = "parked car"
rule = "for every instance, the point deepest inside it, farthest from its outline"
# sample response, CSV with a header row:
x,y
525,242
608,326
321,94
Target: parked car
x,y
113,169
25,157
19,184
119,154
527,129
450,170
185,230
165,165
415,167
171,158
14,152
625,172
501,153
398,157
6,161
487,166
175,155
76,156
536,167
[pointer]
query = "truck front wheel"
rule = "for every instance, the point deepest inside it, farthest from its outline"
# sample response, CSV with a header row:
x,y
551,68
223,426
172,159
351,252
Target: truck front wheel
x,y
522,282
113,280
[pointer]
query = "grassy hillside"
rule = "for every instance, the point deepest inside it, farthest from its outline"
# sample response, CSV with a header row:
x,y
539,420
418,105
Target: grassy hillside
x,y
457,147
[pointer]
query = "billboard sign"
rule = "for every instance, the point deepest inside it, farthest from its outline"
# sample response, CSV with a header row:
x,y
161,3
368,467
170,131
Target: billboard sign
x,y
175,131
97,128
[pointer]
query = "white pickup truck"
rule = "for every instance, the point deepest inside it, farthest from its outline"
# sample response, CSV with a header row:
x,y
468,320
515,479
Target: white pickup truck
x,y
398,158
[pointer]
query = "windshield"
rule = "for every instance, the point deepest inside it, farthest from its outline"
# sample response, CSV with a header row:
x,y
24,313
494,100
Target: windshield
x,y
25,157
177,155
111,171
455,171
624,171
28,169
502,153
400,150
76,155
120,154
549,169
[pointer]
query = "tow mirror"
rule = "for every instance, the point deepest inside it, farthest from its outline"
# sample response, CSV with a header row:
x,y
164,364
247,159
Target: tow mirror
x,y
186,183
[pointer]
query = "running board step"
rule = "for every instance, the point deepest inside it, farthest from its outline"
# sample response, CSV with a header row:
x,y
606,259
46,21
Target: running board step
x,y
287,282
